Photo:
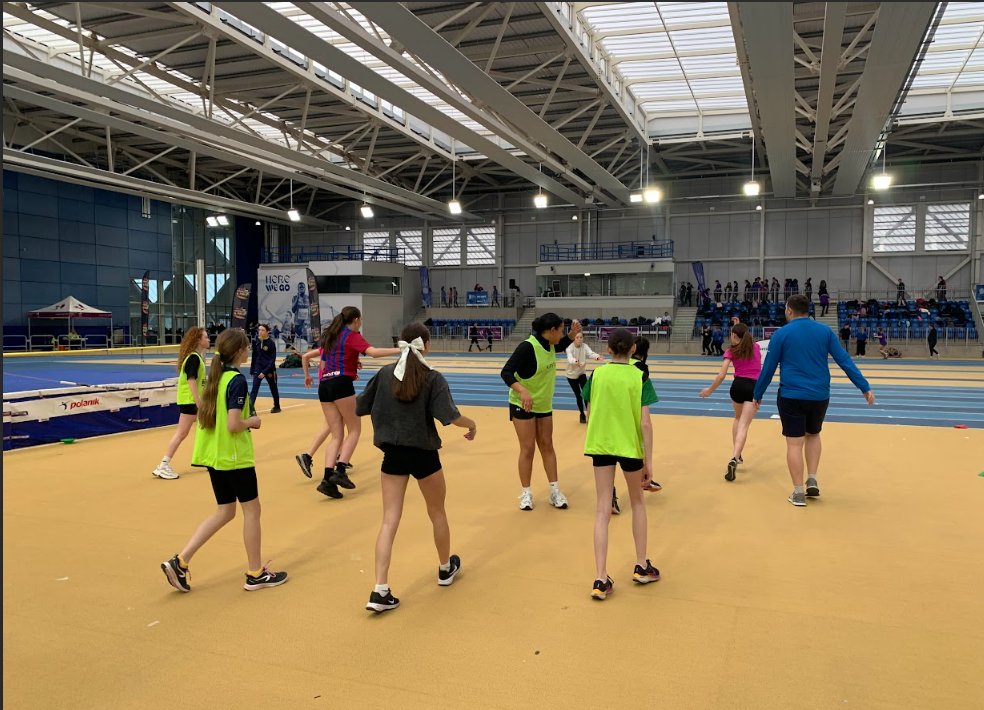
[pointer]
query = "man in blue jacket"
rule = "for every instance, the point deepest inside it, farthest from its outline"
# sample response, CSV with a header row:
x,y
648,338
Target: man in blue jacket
x,y
802,346
263,366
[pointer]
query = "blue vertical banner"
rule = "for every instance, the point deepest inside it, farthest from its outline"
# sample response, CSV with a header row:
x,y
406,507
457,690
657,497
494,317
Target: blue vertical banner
x,y
425,287
699,275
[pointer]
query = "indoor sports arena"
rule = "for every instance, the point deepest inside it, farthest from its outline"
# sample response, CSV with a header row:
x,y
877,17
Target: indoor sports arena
x,y
493,354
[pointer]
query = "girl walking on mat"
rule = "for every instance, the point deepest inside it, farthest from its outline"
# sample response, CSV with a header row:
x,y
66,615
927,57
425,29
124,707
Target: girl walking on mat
x,y
618,399
224,445
191,380
746,356
403,400
341,346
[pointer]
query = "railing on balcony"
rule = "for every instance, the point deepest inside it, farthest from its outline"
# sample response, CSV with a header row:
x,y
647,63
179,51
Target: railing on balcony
x,y
296,255
607,251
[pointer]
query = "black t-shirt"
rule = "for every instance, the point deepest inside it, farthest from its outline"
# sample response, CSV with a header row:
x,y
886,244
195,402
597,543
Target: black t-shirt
x,y
191,367
845,333
237,390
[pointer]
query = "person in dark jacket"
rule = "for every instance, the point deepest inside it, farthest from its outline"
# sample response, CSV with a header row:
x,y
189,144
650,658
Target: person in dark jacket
x,y
845,336
931,340
861,342
705,340
263,366
717,340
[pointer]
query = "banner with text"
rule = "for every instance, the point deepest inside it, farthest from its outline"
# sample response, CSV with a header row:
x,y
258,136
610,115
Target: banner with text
x,y
240,303
284,304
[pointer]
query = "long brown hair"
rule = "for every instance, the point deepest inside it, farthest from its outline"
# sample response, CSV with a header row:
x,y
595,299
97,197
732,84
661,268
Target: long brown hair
x,y
189,343
415,375
330,334
746,345
228,345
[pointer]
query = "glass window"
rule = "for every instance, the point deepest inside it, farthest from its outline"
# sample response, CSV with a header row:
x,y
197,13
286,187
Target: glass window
x,y
895,228
375,241
410,242
948,227
447,247
481,245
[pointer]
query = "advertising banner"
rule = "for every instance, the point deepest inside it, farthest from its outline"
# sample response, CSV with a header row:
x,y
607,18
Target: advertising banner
x,y
284,304
144,306
240,304
477,298
313,298
425,287
979,292
699,275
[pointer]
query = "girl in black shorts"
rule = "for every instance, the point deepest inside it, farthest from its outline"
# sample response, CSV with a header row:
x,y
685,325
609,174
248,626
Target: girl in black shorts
x,y
341,345
746,356
404,400
224,445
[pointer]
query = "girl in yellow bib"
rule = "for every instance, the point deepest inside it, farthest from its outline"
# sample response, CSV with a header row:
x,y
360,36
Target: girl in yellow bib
x,y
618,399
224,445
191,381
531,374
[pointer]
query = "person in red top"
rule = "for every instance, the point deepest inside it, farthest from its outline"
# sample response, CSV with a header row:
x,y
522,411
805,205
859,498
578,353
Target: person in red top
x,y
341,346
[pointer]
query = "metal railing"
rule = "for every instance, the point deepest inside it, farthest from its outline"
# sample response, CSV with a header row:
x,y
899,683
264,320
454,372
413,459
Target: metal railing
x,y
297,255
15,342
607,251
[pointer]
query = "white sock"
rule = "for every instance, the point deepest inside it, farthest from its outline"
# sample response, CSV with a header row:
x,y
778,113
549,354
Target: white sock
x,y
797,489
812,476
446,567
166,460
381,589
553,486
528,490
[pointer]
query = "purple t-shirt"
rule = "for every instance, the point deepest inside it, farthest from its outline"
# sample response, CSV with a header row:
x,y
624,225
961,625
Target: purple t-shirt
x,y
882,339
749,368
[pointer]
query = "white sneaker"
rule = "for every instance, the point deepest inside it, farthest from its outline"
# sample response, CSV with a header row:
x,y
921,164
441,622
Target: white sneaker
x,y
165,471
558,499
526,501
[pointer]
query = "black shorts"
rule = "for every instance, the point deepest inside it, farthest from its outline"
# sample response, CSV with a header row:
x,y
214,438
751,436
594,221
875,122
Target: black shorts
x,y
521,414
230,486
336,388
742,389
801,416
191,409
409,461
628,465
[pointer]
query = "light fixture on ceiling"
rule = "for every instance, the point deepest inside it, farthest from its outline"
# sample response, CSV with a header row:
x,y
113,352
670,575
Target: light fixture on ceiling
x,y
539,199
652,195
574,218
752,188
870,201
882,181
981,196
454,207
257,223
758,208
649,194
292,214
366,211
635,197
212,221
348,228
223,220
587,273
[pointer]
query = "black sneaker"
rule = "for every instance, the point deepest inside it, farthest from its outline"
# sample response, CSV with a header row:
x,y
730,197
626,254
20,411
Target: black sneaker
x,y
275,410
266,578
305,462
446,578
812,489
177,576
340,478
379,603
584,419
645,575
329,489
615,509
602,589
347,466
732,467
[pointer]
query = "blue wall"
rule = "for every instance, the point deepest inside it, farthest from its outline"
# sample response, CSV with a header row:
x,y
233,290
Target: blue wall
x,y
61,239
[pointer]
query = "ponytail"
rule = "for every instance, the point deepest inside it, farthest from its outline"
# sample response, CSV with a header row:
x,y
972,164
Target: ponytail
x,y
746,346
330,334
548,321
228,345
415,375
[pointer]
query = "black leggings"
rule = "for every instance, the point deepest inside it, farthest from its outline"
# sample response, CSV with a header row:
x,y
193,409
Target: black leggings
x,y
932,348
576,386
270,379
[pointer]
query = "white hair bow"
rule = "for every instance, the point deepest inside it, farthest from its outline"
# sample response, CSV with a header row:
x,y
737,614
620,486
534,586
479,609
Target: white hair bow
x,y
417,346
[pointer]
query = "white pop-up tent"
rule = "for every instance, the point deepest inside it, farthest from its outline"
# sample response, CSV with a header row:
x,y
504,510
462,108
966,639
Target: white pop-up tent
x,y
69,308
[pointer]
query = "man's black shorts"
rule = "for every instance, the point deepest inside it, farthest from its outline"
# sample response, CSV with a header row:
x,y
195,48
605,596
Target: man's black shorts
x,y
801,416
